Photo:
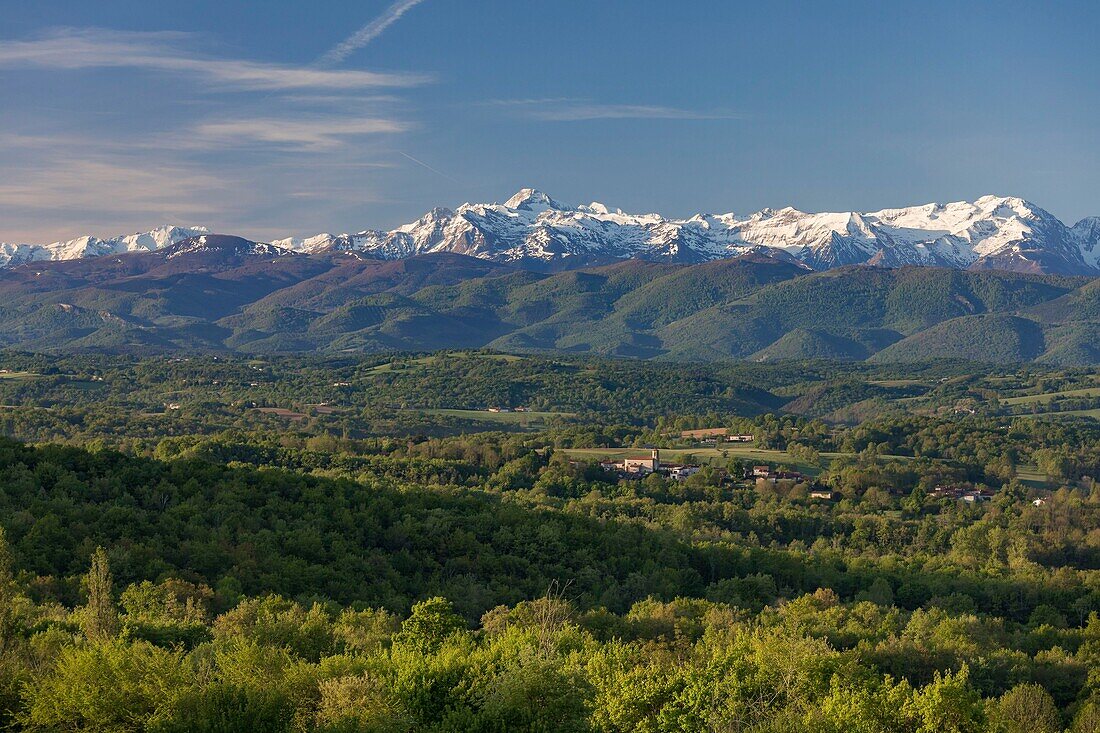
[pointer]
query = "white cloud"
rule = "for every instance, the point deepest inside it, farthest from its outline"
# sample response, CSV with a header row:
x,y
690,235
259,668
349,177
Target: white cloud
x,y
578,110
52,193
41,203
215,152
306,134
161,51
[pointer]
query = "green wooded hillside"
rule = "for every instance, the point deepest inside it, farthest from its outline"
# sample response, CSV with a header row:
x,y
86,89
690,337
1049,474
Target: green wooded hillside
x,y
751,307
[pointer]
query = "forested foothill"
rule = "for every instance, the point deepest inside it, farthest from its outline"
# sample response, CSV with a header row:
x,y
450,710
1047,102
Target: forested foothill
x,y
437,542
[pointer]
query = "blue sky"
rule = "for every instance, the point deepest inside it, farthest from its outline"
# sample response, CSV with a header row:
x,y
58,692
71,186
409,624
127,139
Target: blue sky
x,y
119,115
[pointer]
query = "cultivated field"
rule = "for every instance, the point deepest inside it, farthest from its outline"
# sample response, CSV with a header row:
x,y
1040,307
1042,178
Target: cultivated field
x,y
507,418
1028,474
18,375
1048,396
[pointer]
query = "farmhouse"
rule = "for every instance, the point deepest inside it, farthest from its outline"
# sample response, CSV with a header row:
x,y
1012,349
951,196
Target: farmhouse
x,y
765,474
638,466
643,464
678,471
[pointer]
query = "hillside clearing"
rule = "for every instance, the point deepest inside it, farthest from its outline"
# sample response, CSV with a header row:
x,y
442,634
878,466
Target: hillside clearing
x,y
1049,396
1095,414
18,375
511,418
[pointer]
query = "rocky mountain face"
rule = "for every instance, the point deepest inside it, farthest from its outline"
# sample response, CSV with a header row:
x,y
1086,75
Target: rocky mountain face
x,y
533,231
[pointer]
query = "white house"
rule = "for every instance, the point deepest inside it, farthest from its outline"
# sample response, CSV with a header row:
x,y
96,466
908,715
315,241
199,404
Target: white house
x,y
642,464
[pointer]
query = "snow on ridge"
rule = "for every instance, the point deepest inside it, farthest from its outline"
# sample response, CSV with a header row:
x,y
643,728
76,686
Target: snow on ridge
x,y
531,226
88,246
1087,234
222,243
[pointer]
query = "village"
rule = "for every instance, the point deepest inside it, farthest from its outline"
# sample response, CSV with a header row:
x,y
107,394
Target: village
x,y
642,466
762,475
638,467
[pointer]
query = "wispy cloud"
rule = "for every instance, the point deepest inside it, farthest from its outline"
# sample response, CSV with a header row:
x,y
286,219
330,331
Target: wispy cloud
x,y
112,193
74,49
64,196
253,147
301,134
367,33
278,134
578,110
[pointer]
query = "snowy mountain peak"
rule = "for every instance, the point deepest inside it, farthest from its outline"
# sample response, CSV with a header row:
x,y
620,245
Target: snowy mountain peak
x,y
223,244
1089,227
531,199
1012,202
88,246
531,229
596,208
1087,234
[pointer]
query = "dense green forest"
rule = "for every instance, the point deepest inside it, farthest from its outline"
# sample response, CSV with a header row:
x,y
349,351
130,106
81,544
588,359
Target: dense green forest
x,y
225,298
174,559
121,398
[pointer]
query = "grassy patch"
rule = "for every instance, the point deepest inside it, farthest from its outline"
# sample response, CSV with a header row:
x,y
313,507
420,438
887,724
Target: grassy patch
x,y
708,455
507,418
1032,476
897,383
18,375
427,361
404,364
1048,396
1095,414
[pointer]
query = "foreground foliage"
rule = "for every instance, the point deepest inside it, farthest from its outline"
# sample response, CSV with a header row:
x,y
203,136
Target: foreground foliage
x,y
245,584
270,664
218,568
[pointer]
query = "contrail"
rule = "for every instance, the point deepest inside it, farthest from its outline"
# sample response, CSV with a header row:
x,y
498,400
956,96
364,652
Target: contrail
x,y
422,164
367,33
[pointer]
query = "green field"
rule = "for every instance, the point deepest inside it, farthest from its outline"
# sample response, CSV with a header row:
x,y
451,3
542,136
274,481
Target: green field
x,y
1031,475
18,375
508,418
776,457
403,364
1094,413
1047,397
897,382
427,361
1028,474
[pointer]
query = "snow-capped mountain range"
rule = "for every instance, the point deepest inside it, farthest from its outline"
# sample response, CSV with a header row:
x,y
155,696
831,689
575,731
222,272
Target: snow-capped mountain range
x,y
75,249
532,229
